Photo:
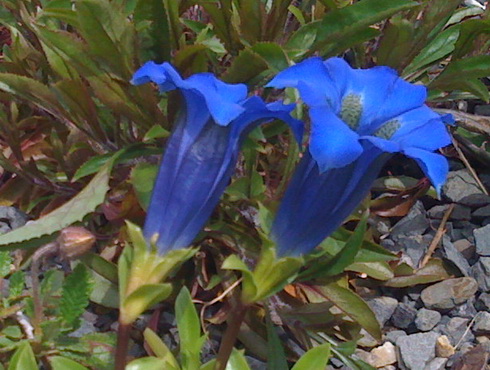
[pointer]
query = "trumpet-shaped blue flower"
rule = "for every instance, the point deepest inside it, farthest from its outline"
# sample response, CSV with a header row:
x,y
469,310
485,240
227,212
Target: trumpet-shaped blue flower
x,y
359,118
202,151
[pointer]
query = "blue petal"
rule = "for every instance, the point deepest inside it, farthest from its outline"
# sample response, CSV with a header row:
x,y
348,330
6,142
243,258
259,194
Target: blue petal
x,y
296,125
221,98
383,144
422,128
434,165
164,75
333,144
312,80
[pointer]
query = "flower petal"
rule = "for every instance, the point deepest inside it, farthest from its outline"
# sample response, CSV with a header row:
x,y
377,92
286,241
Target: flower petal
x,y
434,165
164,75
333,144
422,128
312,80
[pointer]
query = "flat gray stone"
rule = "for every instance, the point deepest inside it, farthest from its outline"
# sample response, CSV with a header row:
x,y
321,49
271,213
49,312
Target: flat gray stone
x,y
438,363
427,319
417,350
453,255
482,212
11,218
414,223
383,308
466,310
456,330
393,335
403,316
481,272
482,323
482,241
460,184
446,294
476,200
483,302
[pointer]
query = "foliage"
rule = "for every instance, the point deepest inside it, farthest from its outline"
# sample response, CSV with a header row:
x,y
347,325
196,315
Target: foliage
x,y
78,143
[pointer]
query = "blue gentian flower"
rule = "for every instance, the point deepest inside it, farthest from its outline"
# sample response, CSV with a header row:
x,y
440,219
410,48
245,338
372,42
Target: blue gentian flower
x,y
202,151
359,118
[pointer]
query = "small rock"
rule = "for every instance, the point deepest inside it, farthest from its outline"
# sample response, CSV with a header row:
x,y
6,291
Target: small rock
x,y
383,308
475,200
444,347
453,255
482,323
427,319
414,223
466,248
417,350
482,241
467,310
436,364
456,330
11,218
460,184
384,355
482,110
459,212
474,359
483,302
414,246
403,316
449,293
366,339
393,335
481,272
481,213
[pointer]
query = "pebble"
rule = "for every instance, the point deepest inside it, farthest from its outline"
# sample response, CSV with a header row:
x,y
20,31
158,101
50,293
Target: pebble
x,y
11,218
427,319
436,364
393,335
481,213
466,248
404,315
475,200
467,310
482,323
452,254
460,184
481,272
383,308
444,348
417,350
482,241
483,302
449,293
366,339
384,355
456,330
414,223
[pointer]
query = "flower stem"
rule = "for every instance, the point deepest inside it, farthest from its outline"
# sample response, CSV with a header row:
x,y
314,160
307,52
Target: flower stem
x,y
234,321
122,345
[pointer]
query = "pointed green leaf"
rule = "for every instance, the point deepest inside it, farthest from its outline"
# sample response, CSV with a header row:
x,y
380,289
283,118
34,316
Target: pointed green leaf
x,y
63,363
315,358
72,211
142,178
143,298
149,363
23,358
159,348
276,356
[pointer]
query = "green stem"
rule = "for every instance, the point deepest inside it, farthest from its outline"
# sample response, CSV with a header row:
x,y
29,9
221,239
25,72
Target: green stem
x,y
122,345
234,322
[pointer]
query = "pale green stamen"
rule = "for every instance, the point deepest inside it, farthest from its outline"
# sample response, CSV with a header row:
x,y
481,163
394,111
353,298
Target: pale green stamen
x,y
387,130
351,110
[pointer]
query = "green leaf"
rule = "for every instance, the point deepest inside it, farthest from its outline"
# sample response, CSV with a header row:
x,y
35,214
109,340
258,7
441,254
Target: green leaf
x,y
247,66
276,358
5,263
470,30
273,55
142,178
237,361
72,211
396,36
16,283
316,358
128,153
350,20
437,49
433,271
23,358
75,295
105,292
156,33
351,304
63,363
143,298
100,265
189,327
302,40
376,270
149,363
159,348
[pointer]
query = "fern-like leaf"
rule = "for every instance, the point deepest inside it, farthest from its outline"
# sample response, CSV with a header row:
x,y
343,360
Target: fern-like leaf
x,y
5,261
75,295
